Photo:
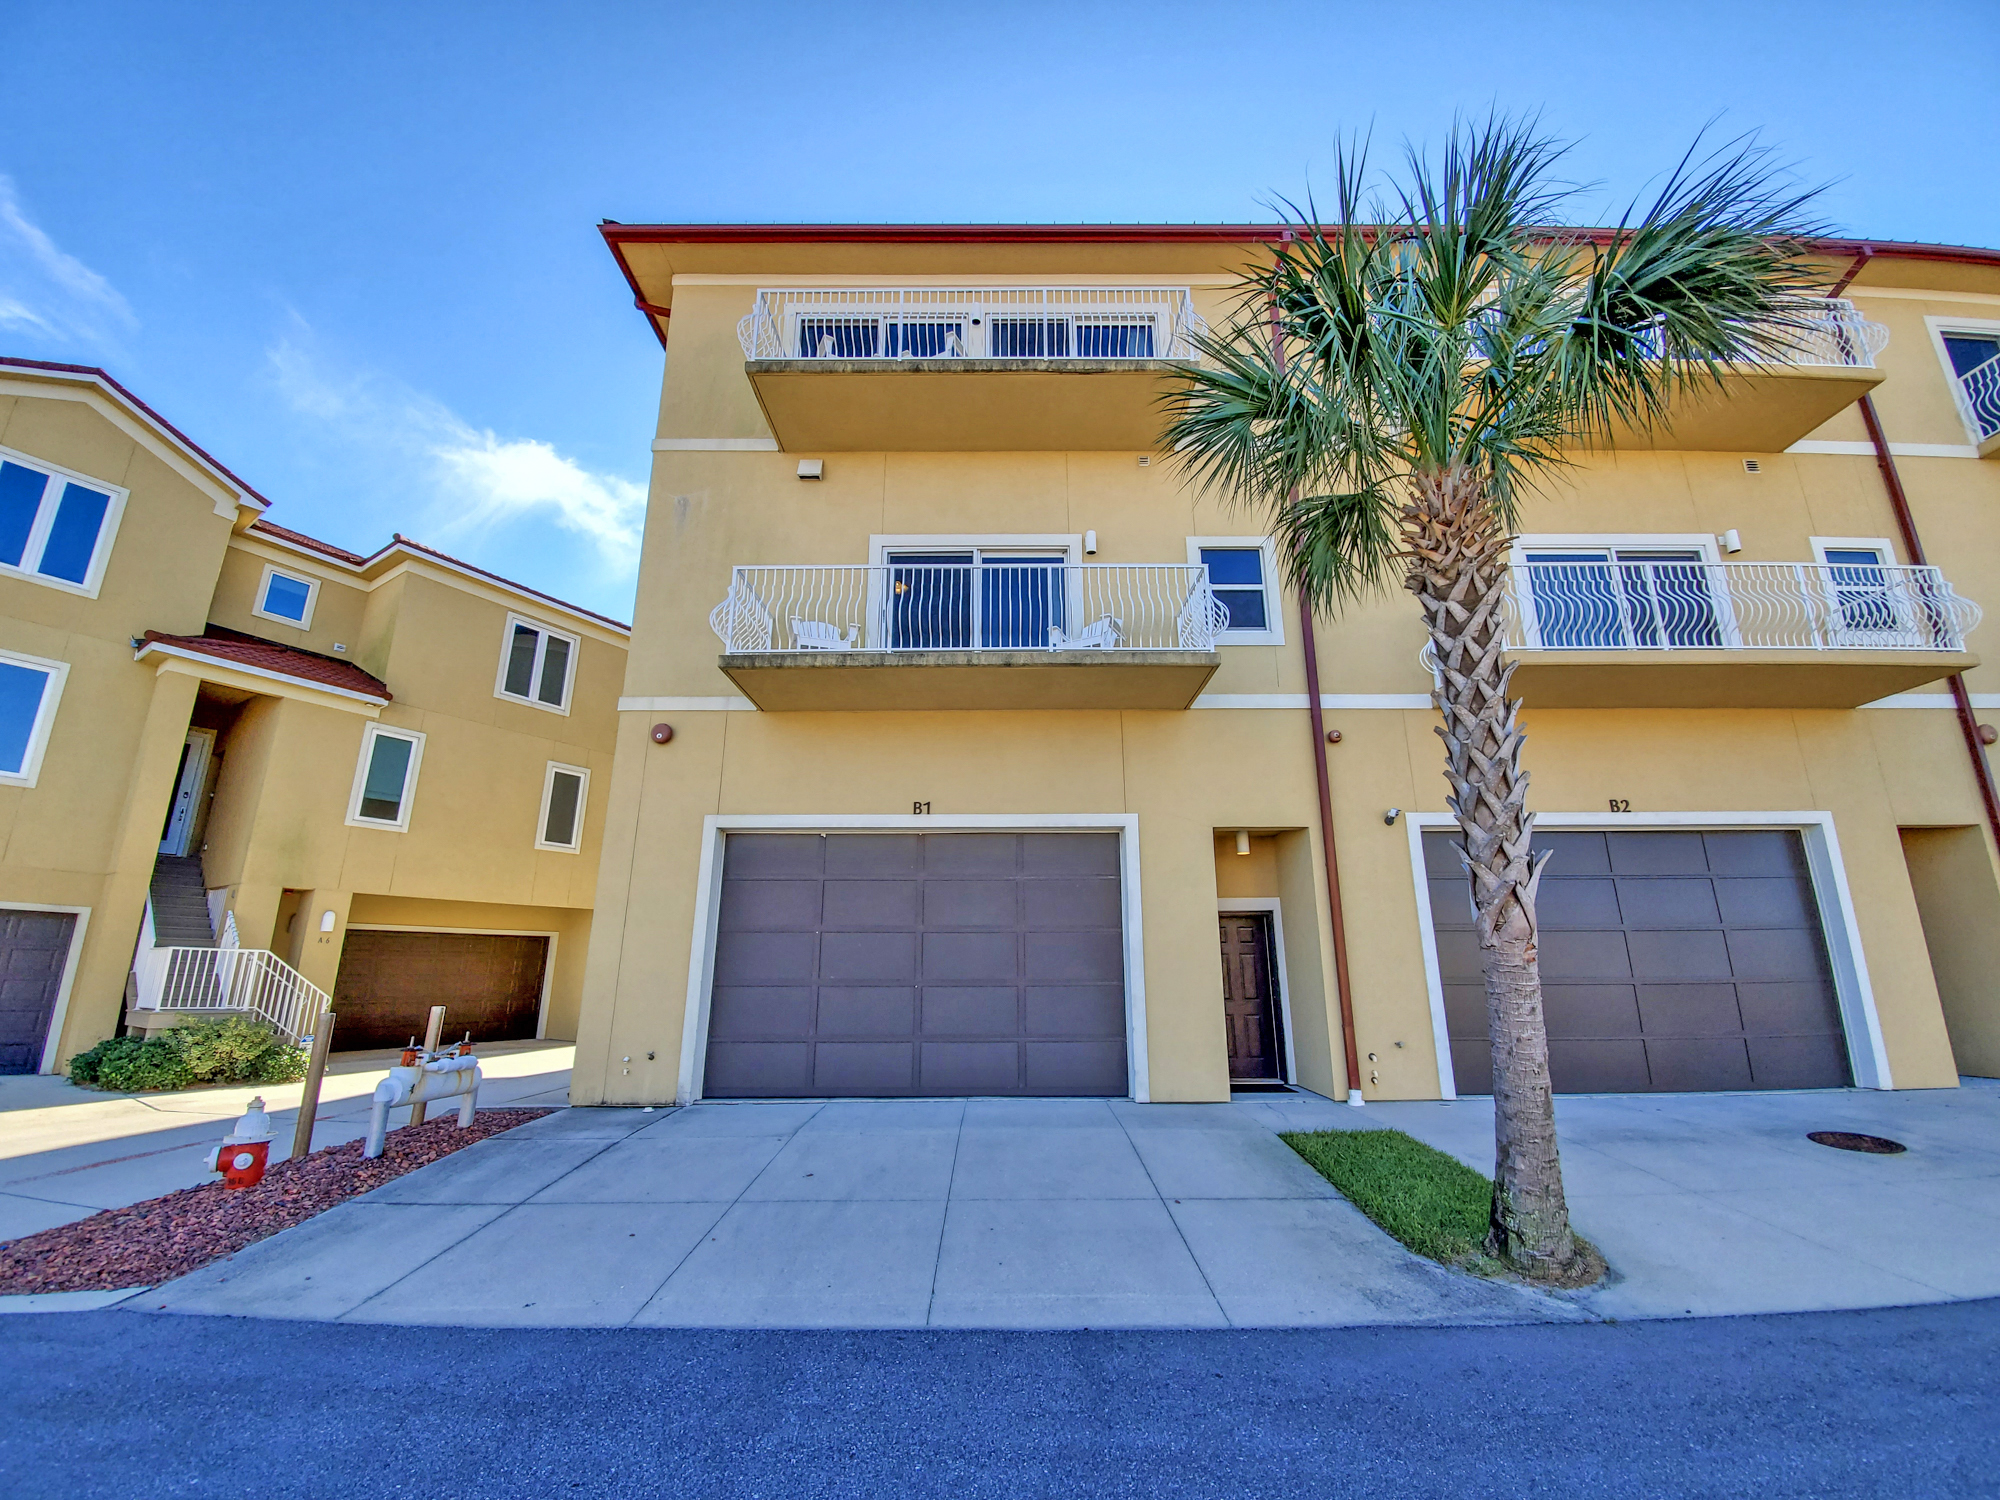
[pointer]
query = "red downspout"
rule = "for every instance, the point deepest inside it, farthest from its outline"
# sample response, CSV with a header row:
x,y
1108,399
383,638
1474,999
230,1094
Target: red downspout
x,y
1906,523
1315,712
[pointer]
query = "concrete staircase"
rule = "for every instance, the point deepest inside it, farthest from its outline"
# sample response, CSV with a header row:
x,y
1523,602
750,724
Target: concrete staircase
x,y
180,904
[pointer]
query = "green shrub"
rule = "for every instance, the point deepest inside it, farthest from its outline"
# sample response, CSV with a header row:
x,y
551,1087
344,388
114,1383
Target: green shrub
x,y
1432,1202
229,1049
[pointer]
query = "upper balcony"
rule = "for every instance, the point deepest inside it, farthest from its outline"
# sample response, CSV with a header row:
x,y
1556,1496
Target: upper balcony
x,y
1978,392
966,369
1036,633
1826,364
1627,633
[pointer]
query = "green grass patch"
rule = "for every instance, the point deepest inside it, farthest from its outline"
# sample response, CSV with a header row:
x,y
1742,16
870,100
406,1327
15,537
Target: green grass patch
x,y
1432,1202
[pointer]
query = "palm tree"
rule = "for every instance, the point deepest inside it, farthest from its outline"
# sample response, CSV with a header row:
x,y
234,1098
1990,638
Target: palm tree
x,y
1389,388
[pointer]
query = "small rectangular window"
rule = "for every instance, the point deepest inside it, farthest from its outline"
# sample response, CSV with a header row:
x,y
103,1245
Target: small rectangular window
x,y
53,527
1236,574
563,799
29,688
385,780
286,597
536,665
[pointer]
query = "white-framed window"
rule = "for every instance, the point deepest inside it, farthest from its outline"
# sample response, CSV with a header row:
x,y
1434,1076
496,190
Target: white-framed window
x,y
1243,572
1970,349
565,795
30,689
385,778
537,665
1582,592
960,592
1869,597
56,527
286,597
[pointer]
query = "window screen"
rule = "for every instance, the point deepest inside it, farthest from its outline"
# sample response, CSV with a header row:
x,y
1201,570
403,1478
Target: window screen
x,y
562,823
537,665
21,691
70,516
1237,576
387,783
286,597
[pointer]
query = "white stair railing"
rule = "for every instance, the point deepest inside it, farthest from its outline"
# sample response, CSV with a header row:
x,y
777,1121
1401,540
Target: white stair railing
x,y
235,979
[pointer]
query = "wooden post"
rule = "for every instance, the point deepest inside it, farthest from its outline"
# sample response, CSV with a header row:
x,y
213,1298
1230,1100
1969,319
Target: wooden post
x,y
302,1137
431,1034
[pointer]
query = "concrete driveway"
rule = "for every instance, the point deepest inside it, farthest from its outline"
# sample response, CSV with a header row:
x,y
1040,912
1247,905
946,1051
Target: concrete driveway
x,y
981,1214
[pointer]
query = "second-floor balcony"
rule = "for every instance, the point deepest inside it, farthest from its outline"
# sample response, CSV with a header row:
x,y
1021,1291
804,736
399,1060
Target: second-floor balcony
x,y
1625,632
1979,401
1032,633
966,368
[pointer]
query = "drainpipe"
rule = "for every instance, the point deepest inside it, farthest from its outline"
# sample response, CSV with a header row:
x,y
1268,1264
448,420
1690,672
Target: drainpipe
x,y
1899,502
1316,714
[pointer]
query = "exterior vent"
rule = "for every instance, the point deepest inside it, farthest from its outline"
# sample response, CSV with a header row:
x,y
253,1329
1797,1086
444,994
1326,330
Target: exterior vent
x,y
1751,466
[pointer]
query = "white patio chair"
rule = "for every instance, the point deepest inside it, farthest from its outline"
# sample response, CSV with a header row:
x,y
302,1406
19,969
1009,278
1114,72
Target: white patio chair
x,y
1101,634
818,635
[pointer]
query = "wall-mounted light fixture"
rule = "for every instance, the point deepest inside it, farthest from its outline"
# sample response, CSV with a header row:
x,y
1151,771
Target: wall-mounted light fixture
x,y
812,468
1242,841
662,733
1391,815
326,921
1090,544
1731,541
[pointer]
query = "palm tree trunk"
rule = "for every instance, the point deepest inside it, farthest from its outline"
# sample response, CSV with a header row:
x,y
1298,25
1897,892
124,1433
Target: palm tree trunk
x,y
1456,553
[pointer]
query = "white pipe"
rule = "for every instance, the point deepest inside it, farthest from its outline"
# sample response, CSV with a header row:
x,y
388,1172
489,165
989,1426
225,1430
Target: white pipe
x,y
441,1078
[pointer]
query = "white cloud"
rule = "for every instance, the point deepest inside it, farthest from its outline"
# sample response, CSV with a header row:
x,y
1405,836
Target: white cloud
x,y
467,481
46,291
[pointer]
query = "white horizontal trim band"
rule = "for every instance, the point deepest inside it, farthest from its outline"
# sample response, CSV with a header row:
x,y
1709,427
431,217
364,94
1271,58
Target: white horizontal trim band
x,y
684,705
1933,700
1299,700
715,445
1899,450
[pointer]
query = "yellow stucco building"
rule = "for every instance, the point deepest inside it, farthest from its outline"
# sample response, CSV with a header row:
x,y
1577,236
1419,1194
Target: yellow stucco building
x,y
379,777
963,750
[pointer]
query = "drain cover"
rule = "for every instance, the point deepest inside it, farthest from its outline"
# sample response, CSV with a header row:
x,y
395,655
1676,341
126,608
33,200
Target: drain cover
x,y
1847,1140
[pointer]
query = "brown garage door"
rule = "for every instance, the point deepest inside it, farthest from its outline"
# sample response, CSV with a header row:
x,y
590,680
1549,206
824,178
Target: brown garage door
x,y
34,946
927,964
1669,961
489,983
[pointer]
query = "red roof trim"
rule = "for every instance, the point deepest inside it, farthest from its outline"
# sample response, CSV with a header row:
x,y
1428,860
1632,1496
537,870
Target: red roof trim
x,y
310,543
307,668
13,362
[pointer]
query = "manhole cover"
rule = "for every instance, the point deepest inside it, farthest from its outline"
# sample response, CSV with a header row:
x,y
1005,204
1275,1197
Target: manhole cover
x,y
1847,1140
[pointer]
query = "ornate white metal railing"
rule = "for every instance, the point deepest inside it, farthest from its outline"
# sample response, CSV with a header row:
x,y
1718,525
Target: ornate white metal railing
x,y
992,605
1019,322
1669,606
1979,397
1829,331
241,979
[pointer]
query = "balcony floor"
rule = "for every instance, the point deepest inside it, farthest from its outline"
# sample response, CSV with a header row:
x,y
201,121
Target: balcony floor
x,y
1736,678
915,681
1758,411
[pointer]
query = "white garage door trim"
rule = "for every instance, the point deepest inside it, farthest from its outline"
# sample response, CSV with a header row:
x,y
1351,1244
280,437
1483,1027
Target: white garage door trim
x,y
707,913
548,963
52,1048
1867,1055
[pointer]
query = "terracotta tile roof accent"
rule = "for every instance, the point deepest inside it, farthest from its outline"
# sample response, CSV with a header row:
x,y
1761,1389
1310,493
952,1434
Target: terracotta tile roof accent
x,y
309,667
9,361
310,543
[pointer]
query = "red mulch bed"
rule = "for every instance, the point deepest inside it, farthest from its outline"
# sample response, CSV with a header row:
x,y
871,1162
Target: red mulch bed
x,y
162,1238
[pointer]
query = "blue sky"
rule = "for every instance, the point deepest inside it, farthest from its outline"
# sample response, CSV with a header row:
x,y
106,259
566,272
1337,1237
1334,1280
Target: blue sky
x,y
351,248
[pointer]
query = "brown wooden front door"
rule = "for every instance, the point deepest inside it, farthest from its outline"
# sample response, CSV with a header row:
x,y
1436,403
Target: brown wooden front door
x,y
1250,998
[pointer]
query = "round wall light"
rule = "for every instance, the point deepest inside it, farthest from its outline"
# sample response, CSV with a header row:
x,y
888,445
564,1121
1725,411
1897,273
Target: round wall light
x,y
662,733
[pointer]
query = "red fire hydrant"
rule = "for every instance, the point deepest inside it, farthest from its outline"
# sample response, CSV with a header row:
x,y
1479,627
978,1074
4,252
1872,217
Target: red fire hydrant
x,y
242,1154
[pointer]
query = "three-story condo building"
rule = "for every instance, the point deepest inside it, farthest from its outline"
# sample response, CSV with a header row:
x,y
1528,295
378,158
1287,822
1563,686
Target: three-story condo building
x,y
965,751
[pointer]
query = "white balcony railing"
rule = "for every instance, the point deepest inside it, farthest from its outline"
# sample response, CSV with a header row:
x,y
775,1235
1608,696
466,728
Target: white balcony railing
x,y
1829,331
1669,606
1979,397
242,979
1019,322
985,606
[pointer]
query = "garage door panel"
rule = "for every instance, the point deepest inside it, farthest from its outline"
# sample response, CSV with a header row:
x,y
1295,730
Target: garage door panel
x,y
1575,854
1755,851
971,903
489,983
34,949
1766,901
766,855
1797,1062
1075,956
1465,1010
1451,897
971,1067
1679,955
758,1070
1779,1007
971,1010
768,905
971,957
859,957
1075,1068
1592,1065
1472,1064
957,854
864,1068
1075,1010
766,958
866,905
1656,854
872,1011
757,1011
1688,1009
1441,860
1585,1010
1087,902
1580,955
1069,854
1667,901
1774,953
1682,1063
1574,903
880,855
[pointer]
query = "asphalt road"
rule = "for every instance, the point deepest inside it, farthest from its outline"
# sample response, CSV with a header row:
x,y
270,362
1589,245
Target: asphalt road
x,y
1902,1402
